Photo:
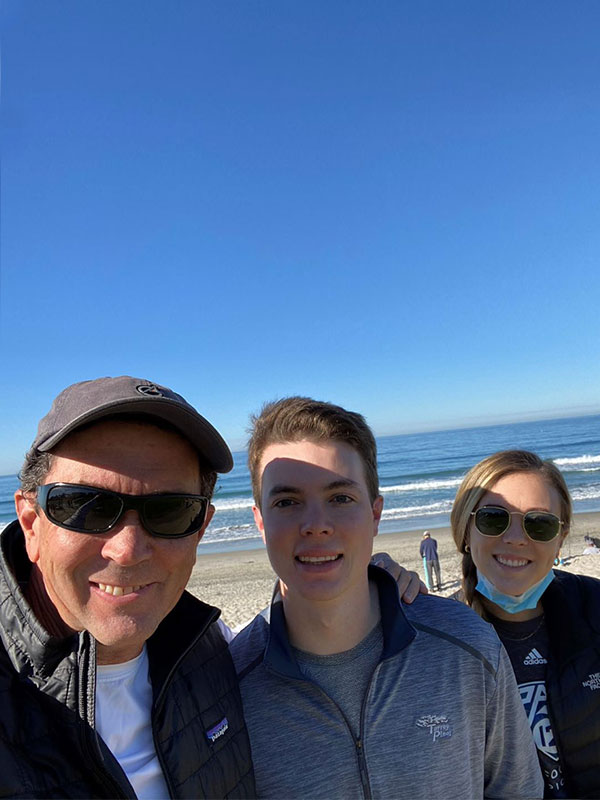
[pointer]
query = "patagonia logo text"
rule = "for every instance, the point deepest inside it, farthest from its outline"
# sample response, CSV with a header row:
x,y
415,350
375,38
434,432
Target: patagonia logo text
x,y
593,681
219,729
437,724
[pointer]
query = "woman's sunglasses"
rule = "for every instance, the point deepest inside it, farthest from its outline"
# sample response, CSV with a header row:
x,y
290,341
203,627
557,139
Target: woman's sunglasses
x,y
87,509
540,526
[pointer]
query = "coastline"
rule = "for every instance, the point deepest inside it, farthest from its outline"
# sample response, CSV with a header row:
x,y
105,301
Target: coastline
x,y
240,582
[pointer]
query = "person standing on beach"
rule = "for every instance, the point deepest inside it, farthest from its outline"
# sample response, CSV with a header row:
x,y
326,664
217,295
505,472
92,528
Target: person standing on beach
x,y
431,563
114,681
345,693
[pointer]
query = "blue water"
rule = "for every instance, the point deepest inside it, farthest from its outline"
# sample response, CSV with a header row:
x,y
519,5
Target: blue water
x,y
419,475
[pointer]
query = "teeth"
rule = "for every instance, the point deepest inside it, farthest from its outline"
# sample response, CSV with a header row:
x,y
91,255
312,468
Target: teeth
x,y
117,591
512,562
316,559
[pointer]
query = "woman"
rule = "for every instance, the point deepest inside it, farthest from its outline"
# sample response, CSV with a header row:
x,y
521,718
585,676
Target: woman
x,y
510,517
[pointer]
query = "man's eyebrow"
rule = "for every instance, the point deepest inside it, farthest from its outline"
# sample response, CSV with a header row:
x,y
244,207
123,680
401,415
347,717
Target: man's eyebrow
x,y
284,488
341,483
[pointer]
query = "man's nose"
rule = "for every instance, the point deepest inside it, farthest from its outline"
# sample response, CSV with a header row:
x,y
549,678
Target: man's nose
x,y
316,521
129,543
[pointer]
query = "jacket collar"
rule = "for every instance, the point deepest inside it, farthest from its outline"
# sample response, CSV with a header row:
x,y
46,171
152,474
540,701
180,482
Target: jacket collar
x,y
398,633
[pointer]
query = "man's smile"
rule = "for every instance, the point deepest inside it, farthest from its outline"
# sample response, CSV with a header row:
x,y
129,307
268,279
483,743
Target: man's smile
x,y
321,559
118,591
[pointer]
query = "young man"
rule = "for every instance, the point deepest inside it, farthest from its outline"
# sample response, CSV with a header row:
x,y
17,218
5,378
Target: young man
x,y
114,681
345,693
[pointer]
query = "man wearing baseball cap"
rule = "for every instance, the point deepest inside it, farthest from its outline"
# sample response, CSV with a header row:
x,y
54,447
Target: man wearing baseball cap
x,y
114,681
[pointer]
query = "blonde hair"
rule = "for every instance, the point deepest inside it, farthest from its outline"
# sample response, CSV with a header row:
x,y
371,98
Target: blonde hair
x,y
476,483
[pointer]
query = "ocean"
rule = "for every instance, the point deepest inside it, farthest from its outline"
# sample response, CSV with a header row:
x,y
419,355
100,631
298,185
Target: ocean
x,y
419,474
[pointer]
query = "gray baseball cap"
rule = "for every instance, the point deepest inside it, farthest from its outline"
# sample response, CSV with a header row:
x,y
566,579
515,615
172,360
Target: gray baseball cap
x,y
90,401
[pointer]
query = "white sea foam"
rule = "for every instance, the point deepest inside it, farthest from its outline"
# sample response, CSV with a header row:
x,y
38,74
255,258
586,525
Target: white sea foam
x,y
233,504
231,534
420,486
586,492
404,512
578,463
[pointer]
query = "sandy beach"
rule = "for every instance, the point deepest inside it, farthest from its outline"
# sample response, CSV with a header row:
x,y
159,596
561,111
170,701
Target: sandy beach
x,y
241,582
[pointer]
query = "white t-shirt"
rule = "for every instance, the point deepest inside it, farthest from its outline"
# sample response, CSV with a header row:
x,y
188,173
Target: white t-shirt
x,y
123,705
123,720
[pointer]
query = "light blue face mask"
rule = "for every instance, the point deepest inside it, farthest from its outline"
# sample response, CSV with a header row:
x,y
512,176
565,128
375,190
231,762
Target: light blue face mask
x,y
514,603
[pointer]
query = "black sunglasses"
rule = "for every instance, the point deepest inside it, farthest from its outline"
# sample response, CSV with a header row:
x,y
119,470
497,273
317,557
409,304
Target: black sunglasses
x,y
87,509
540,526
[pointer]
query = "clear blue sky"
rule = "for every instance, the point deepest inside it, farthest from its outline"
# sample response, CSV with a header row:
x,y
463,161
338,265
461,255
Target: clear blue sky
x,y
391,205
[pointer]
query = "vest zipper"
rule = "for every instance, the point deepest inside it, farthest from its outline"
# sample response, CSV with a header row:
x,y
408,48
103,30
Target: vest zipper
x,y
89,735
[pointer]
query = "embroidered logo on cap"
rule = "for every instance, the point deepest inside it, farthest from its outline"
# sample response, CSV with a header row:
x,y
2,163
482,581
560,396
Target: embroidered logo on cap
x,y
593,681
219,729
149,388
438,724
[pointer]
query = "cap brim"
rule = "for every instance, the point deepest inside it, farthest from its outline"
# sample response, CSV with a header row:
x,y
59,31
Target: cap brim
x,y
192,426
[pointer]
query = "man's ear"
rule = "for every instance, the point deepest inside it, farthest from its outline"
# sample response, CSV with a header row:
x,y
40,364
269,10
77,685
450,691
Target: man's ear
x,y
377,512
210,512
259,521
28,514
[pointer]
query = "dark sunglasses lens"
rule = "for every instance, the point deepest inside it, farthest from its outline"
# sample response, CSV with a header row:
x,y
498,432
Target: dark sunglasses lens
x,y
82,509
541,526
492,521
174,515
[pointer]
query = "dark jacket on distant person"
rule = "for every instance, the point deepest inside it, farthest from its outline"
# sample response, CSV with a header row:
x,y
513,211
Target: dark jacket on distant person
x,y
48,744
428,549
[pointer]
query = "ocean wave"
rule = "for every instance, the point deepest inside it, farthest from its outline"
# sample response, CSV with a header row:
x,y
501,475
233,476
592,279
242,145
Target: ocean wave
x,y
235,503
586,493
227,528
575,464
405,512
231,534
419,486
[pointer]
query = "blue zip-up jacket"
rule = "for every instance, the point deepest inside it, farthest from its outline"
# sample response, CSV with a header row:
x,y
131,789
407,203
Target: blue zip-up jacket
x,y
441,718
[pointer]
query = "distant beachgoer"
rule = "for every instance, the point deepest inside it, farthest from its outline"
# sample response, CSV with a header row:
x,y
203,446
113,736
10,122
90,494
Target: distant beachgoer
x,y
346,692
591,550
431,563
510,518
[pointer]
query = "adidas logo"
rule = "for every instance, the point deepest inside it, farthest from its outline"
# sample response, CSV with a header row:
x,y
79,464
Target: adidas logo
x,y
534,657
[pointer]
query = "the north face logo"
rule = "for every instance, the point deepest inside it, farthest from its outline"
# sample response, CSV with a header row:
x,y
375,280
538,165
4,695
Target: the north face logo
x,y
534,657
593,681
